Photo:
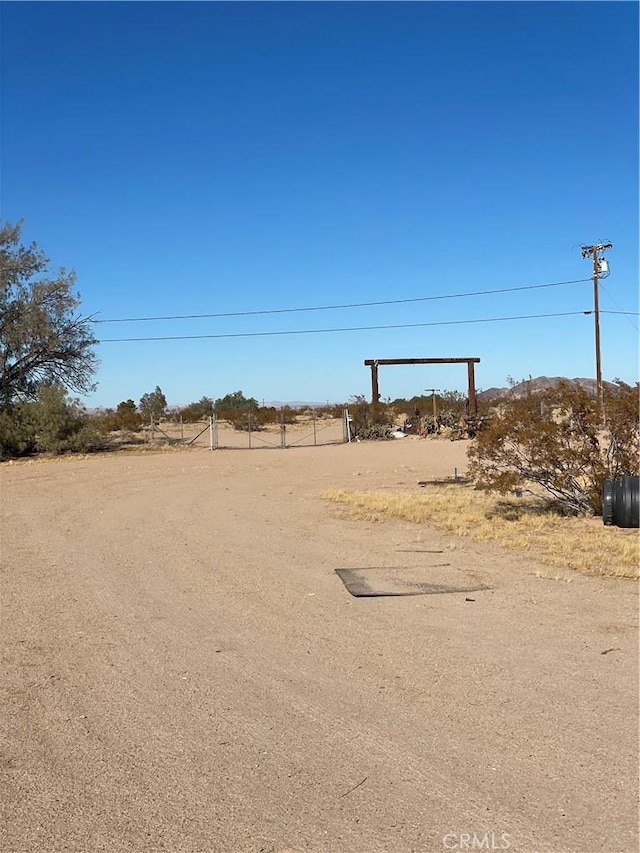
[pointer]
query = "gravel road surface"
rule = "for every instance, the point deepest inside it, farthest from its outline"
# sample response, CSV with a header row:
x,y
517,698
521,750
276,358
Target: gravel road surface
x,y
183,670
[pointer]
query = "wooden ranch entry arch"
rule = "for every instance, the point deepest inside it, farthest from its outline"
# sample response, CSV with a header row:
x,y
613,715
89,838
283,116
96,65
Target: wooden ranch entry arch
x,y
374,363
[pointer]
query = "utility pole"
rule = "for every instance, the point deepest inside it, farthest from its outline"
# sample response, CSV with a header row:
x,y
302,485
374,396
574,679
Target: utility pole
x,y
432,391
600,268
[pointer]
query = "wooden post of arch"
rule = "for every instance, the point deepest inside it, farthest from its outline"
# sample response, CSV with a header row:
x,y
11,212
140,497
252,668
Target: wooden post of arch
x,y
374,363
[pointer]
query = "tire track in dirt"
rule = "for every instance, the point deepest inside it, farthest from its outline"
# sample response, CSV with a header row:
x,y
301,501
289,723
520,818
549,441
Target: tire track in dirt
x,y
215,688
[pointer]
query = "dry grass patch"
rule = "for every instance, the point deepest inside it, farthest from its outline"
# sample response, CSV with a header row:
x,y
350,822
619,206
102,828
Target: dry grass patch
x,y
522,524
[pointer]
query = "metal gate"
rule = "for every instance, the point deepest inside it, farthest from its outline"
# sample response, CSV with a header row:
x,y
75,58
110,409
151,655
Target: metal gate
x,y
218,434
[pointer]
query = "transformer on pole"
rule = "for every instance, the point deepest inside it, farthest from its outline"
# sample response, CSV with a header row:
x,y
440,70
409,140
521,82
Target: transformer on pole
x,y
600,270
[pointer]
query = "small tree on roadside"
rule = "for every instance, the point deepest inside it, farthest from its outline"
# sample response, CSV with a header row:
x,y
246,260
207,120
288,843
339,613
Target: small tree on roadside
x,y
43,339
238,410
127,416
235,402
554,440
198,411
153,404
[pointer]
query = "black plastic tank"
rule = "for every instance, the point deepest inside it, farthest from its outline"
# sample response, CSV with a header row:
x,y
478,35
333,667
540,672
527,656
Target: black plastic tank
x,y
621,502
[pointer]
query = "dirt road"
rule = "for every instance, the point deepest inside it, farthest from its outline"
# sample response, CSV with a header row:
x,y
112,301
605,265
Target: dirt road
x,y
184,671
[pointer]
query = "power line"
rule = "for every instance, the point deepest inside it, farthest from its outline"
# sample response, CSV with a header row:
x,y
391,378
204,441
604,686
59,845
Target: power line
x,y
631,323
348,329
348,305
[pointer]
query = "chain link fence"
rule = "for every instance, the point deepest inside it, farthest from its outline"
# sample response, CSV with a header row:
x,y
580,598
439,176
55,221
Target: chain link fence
x,y
305,430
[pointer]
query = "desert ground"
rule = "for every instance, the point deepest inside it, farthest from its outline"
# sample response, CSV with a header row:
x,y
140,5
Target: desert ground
x,y
184,671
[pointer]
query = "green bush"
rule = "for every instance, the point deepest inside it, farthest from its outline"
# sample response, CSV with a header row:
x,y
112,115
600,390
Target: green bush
x,y
105,420
236,409
127,416
251,419
199,411
53,423
16,431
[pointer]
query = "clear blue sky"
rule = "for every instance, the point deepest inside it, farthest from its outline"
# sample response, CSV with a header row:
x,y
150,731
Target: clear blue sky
x,y
192,158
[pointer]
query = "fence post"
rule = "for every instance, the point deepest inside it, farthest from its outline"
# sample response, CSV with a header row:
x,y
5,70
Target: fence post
x,y
181,430
249,430
346,426
314,427
214,419
152,430
283,431
210,432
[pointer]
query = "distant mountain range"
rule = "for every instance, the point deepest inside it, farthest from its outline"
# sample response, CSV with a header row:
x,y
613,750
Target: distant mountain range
x,y
539,384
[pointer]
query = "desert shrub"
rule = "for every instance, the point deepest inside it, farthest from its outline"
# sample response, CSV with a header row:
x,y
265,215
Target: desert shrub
x,y
53,423
448,424
240,420
236,408
374,432
554,439
260,418
265,415
127,416
16,431
370,421
622,450
244,413
288,415
452,419
422,404
235,402
104,420
61,425
334,411
256,419
197,411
